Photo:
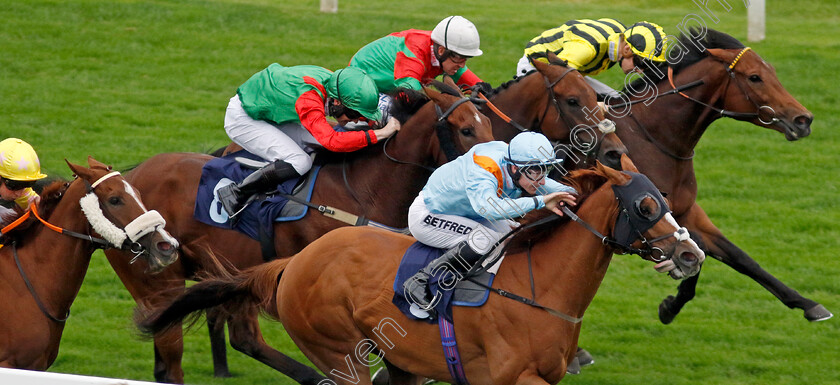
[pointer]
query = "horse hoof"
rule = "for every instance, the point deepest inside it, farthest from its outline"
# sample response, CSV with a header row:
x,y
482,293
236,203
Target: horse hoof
x,y
573,367
818,313
583,357
222,374
381,377
666,316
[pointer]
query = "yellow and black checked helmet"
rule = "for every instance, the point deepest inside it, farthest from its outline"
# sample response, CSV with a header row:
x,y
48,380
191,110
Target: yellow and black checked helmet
x,y
647,40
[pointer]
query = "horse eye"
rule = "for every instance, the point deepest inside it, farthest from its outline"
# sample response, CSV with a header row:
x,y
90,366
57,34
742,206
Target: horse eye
x,y
573,102
755,78
114,201
467,132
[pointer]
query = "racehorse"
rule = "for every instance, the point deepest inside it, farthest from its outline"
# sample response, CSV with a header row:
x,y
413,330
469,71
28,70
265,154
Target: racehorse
x,y
556,101
334,316
42,267
378,182
662,127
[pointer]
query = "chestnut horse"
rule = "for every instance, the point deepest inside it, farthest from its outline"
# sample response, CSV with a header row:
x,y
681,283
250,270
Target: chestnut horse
x,y
42,267
661,133
556,101
378,182
333,316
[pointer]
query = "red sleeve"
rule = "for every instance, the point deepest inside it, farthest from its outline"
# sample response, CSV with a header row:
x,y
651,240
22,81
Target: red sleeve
x,y
310,109
408,67
468,78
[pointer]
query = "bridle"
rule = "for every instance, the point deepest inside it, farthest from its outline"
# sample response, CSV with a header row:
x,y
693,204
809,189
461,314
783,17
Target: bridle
x,y
113,236
726,113
605,126
443,132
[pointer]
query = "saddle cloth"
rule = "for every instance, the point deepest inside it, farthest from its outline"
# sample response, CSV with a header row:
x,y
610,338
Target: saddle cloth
x,y
465,293
261,213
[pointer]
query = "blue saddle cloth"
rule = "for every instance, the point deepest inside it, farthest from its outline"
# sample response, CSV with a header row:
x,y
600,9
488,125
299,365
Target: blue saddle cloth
x,y
465,293
260,214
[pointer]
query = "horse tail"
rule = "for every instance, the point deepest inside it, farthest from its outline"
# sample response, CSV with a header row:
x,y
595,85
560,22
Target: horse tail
x,y
254,287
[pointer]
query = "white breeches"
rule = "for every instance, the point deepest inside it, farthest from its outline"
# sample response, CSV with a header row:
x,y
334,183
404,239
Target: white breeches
x,y
289,142
446,231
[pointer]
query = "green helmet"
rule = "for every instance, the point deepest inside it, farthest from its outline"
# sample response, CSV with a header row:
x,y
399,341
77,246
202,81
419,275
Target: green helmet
x,y
356,91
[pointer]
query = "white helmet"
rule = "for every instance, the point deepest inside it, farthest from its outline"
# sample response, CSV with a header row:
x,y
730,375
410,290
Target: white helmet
x,y
458,35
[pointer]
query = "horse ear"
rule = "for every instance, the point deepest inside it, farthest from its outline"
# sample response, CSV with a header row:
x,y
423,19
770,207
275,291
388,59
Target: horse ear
x,y
432,94
627,164
93,163
554,59
722,54
449,82
539,64
615,177
80,171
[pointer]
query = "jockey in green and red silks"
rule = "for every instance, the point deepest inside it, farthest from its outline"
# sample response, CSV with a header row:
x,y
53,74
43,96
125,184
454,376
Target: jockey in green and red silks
x,y
414,57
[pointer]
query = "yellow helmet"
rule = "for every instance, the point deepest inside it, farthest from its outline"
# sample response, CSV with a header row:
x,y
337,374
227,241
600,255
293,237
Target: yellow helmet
x,y
18,161
647,40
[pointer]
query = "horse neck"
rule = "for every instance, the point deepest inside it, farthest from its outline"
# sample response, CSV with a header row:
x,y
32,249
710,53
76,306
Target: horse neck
x,y
384,188
677,122
523,102
55,260
570,263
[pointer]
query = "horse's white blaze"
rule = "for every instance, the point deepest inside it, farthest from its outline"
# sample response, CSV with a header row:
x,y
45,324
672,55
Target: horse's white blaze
x,y
130,190
477,118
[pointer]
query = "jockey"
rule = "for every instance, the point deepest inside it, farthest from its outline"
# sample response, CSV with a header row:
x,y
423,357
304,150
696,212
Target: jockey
x,y
19,170
592,46
411,58
279,114
467,204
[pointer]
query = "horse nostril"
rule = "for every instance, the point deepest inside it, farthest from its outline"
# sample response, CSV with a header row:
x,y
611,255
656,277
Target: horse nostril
x,y
688,258
612,159
165,246
803,121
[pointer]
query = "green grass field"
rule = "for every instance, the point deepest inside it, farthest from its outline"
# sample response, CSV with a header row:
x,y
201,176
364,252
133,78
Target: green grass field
x,y
124,80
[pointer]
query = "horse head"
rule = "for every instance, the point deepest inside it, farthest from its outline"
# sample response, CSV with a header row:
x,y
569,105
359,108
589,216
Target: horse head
x,y
459,123
114,210
641,221
557,101
758,91
645,226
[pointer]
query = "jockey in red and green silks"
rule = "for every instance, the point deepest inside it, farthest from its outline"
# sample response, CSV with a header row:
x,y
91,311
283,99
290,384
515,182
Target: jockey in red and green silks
x,y
413,57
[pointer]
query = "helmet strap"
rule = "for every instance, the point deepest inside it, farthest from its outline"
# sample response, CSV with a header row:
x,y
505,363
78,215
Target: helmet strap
x,y
516,175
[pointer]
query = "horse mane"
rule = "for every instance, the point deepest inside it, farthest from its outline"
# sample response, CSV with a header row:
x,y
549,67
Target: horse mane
x,y
712,39
585,182
406,102
50,197
515,80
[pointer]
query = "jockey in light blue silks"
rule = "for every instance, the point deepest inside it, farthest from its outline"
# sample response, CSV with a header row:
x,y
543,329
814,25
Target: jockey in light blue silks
x,y
468,204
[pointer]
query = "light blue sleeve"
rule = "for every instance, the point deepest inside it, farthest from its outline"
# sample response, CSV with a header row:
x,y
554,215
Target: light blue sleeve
x,y
481,191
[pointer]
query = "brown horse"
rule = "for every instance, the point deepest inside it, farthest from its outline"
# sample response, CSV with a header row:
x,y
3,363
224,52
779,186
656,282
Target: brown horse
x,y
661,130
42,267
556,101
337,318
379,183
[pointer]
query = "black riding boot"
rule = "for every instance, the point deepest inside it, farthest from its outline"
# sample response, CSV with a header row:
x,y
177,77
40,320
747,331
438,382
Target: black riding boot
x,y
458,259
234,196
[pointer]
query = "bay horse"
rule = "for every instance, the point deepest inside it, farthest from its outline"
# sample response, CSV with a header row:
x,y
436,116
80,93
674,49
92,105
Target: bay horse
x,y
378,183
42,267
337,318
662,128
556,101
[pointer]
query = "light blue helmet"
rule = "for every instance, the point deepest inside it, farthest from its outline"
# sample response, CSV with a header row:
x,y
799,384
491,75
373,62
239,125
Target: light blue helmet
x,y
531,149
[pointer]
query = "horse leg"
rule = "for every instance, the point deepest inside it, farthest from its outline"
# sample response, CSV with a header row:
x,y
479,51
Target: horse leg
x,y
397,376
530,378
246,337
671,306
722,249
216,328
169,348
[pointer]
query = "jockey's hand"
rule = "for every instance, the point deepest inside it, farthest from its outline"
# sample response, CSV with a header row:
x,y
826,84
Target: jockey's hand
x,y
390,129
554,201
483,87
34,200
